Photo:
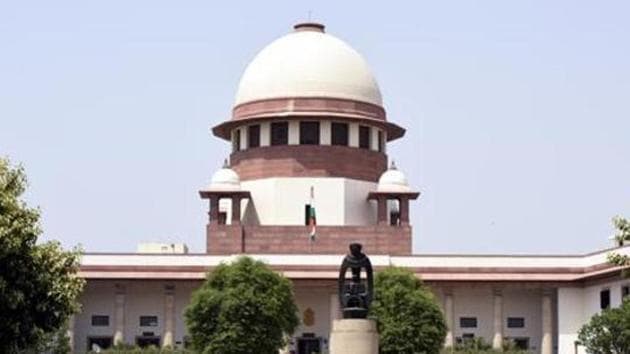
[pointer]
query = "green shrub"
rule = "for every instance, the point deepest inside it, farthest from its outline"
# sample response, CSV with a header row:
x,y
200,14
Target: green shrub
x,y
408,317
242,306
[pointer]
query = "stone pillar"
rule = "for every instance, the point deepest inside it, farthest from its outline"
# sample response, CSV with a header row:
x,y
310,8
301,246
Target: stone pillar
x,y
236,210
169,317
70,333
119,315
403,202
381,208
546,346
354,336
448,316
214,210
497,339
334,308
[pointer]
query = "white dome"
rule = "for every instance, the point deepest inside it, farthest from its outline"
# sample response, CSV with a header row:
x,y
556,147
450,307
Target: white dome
x,y
225,179
393,180
308,63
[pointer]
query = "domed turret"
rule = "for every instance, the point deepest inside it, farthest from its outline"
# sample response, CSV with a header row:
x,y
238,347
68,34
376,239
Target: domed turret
x,y
393,180
225,179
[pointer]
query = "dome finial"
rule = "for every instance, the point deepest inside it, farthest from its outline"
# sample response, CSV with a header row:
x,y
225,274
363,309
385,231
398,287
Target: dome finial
x,y
393,165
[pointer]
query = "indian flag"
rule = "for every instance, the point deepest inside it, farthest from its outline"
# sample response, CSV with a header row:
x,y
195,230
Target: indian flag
x,y
312,221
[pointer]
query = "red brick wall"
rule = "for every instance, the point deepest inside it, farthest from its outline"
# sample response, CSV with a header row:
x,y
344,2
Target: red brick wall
x,y
309,161
227,239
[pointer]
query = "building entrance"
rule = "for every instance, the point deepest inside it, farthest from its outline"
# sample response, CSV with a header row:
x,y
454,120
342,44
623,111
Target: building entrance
x,y
308,346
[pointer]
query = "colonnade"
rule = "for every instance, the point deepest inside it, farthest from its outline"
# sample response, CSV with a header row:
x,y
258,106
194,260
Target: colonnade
x,y
546,345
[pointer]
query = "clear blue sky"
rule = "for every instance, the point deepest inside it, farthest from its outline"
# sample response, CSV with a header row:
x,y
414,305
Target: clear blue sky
x,y
517,113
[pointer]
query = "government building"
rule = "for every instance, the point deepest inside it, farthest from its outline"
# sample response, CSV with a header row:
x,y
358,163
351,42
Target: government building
x,y
308,174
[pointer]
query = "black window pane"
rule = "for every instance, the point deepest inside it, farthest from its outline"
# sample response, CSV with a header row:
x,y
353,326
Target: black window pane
x,y
147,341
604,299
309,133
516,322
339,134
364,137
253,136
100,320
625,291
99,343
236,142
468,322
307,213
279,133
381,142
148,321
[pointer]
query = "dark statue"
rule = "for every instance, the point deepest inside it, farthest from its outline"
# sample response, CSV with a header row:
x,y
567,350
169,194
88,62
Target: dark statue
x,y
355,295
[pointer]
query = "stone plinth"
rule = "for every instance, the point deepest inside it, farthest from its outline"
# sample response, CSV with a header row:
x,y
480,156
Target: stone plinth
x,y
354,336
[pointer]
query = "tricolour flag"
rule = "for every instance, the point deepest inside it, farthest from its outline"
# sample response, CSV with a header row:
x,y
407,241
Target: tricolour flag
x,y
312,221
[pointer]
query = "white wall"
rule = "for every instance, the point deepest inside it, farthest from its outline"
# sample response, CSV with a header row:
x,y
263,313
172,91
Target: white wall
x,y
576,306
318,300
526,303
141,298
474,302
97,299
280,201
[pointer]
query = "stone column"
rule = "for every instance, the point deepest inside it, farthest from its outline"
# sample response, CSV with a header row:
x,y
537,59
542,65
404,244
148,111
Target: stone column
x,y
381,215
169,316
546,346
448,316
119,315
403,202
236,210
334,308
70,333
497,339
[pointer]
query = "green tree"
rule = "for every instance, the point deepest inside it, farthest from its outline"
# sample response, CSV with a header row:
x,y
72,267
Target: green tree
x,y
243,307
608,332
408,317
38,282
622,236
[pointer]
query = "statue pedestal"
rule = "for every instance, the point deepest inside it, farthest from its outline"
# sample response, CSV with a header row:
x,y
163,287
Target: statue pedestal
x,y
354,336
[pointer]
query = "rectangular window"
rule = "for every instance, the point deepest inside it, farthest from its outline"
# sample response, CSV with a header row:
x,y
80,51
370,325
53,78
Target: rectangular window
x,y
468,322
307,213
100,320
236,141
147,341
625,292
381,142
604,299
309,133
279,133
96,344
516,322
364,137
521,343
339,134
148,321
253,136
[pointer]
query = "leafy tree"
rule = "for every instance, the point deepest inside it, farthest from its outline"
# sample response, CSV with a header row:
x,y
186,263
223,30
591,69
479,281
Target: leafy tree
x,y
408,317
243,307
608,332
38,282
622,237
